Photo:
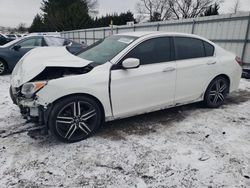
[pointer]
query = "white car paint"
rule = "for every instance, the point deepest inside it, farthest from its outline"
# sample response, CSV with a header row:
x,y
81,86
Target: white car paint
x,y
94,84
133,91
34,63
142,90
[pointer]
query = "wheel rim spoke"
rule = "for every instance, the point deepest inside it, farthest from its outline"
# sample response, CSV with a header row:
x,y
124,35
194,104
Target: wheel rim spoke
x,y
221,97
217,85
212,93
84,128
71,131
79,109
223,88
85,125
74,109
215,99
88,115
65,120
1,67
74,130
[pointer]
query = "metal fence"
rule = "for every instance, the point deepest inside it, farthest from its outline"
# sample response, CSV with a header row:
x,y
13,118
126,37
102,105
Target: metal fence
x,y
229,31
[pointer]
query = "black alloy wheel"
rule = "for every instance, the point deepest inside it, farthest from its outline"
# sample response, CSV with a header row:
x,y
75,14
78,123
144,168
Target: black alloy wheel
x,y
3,67
75,118
216,92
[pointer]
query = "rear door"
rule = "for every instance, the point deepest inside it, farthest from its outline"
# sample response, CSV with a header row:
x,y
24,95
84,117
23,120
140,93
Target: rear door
x,y
149,87
196,65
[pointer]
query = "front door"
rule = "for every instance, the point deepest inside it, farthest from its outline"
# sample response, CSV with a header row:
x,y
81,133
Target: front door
x,y
149,87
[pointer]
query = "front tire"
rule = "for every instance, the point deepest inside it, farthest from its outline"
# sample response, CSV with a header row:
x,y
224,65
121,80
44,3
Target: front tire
x,y
75,118
3,67
216,92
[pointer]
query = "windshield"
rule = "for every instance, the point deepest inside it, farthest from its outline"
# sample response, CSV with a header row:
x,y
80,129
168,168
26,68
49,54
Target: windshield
x,y
106,49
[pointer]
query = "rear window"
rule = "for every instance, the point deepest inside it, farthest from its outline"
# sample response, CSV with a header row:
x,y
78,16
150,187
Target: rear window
x,y
54,41
188,48
209,49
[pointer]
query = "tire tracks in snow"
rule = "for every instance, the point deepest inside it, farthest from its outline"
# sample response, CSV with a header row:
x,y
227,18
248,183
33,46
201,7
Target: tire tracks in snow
x,y
18,129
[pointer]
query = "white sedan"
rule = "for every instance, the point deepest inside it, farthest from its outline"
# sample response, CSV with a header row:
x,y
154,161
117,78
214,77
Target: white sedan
x,y
121,76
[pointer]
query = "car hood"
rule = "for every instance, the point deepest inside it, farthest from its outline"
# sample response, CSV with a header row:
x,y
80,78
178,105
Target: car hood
x,y
35,61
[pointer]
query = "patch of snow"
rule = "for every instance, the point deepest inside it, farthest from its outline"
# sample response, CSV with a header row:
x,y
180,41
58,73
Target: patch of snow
x,y
188,146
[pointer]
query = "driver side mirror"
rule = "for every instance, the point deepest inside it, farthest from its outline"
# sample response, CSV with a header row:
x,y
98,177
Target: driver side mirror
x,y
17,47
131,63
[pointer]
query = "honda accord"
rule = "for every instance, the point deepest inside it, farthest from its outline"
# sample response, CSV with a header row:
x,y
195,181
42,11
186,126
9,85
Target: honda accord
x,y
121,76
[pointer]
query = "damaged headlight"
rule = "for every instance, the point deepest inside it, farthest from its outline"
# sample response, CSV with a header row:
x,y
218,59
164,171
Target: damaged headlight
x,y
29,89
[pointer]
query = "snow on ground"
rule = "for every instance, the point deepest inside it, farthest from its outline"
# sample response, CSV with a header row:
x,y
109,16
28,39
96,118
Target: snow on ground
x,y
188,146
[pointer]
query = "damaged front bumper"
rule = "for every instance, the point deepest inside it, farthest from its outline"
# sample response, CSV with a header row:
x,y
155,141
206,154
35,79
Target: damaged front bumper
x,y
30,108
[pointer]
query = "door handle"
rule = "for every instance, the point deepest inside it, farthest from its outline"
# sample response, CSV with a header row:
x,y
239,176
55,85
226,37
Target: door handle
x,y
169,69
211,63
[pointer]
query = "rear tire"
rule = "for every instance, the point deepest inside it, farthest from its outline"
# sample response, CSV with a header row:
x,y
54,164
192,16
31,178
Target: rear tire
x,y
75,118
216,92
3,67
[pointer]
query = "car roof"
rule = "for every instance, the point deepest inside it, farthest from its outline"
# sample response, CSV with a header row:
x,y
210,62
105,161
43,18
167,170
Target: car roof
x,y
156,33
136,34
148,34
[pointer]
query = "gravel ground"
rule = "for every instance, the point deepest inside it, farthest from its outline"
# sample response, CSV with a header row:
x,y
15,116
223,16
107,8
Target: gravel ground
x,y
188,146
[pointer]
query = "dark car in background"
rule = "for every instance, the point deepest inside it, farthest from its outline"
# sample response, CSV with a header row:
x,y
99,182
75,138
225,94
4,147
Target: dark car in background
x,y
4,39
12,36
12,52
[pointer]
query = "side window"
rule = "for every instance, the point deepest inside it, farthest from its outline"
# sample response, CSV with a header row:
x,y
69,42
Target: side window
x,y
152,51
31,43
67,43
188,48
209,49
54,41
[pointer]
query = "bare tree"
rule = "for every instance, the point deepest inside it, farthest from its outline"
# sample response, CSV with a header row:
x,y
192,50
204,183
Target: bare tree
x,y
21,28
156,10
176,9
189,8
236,7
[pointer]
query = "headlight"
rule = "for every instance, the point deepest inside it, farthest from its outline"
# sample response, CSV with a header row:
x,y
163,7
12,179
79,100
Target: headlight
x,y
29,89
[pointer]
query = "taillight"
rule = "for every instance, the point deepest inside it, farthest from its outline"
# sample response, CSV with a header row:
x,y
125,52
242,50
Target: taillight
x,y
238,60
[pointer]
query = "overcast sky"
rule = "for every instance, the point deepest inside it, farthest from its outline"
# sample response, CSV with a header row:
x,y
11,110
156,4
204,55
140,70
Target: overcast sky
x,y
13,12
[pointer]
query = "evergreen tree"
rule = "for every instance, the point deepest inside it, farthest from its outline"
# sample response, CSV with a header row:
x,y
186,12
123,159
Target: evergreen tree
x,y
37,24
120,19
64,15
212,10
